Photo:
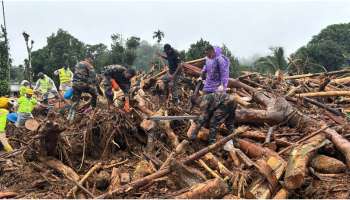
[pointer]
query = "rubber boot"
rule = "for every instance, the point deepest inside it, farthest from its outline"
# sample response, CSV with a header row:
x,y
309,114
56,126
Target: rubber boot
x,y
5,143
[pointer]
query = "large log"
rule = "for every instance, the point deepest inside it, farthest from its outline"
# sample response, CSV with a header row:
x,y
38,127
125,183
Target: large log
x,y
211,189
263,186
323,94
328,165
61,168
298,160
342,144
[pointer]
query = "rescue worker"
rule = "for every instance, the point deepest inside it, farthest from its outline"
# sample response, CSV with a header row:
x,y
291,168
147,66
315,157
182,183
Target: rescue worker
x,y
4,104
45,86
23,88
216,108
66,76
172,78
84,81
215,71
26,105
115,77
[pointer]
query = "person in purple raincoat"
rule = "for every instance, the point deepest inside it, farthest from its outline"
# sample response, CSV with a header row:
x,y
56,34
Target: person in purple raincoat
x,y
216,70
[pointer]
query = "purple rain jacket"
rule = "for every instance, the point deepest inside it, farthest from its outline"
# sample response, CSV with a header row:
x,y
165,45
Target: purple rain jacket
x,y
217,71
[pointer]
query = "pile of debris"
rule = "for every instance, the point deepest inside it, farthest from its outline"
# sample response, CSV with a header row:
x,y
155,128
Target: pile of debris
x,y
290,142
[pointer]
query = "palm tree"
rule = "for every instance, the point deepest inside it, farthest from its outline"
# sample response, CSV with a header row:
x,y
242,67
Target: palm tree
x,y
273,62
159,35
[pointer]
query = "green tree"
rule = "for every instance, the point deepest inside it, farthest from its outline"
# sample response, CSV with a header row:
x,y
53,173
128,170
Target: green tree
x,y
234,63
197,50
131,45
272,63
101,53
159,35
61,49
327,50
5,63
145,55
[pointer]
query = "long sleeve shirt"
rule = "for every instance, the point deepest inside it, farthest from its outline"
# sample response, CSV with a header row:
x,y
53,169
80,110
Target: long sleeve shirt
x,y
217,72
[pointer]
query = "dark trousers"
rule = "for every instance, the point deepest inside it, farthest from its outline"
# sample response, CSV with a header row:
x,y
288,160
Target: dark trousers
x,y
80,88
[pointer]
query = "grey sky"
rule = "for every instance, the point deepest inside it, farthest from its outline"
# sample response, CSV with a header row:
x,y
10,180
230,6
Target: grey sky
x,y
246,27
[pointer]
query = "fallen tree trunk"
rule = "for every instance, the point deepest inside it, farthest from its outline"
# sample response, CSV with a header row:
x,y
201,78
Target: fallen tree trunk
x,y
211,189
317,74
281,194
342,144
61,168
298,160
271,167
328,165
324,94
7,195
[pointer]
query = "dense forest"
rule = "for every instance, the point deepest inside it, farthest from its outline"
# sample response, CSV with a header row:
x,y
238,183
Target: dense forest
x,y
328,50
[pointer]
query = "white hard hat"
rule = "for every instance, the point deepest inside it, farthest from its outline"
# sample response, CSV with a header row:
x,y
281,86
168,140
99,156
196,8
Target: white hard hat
x,y
24,82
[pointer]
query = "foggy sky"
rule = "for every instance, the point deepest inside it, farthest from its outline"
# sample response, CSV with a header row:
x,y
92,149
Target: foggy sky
x,y
246,27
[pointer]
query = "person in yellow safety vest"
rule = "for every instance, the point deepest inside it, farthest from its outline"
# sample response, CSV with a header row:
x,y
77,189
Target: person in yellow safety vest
x,y
66,77
45,86
23,88
3,120
26,105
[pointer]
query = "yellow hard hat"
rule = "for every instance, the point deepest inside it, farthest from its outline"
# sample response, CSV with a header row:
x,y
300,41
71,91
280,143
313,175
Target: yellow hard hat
x,y
4,101
29,91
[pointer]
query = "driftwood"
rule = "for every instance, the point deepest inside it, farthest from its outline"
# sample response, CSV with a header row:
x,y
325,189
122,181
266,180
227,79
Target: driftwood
x,y
7,195
115,179
160,173
324,94
211,189
84,178
281,194
298,160
328,165
61,168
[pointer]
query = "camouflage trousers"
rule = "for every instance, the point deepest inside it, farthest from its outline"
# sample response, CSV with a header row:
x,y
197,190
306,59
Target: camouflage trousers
x,y
212,119
218,117
172,86
79,88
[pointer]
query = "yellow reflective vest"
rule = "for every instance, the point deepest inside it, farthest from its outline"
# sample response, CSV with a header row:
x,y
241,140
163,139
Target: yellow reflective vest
x,y
65,75
45,85
22,90
3,118
26,105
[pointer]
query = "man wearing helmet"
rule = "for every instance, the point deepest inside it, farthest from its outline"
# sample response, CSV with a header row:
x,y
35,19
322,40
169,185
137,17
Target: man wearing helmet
x,y
45,86
23,88
26,105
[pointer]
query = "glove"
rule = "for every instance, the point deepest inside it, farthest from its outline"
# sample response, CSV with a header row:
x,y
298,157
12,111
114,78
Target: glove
x,y
115,85
220,88
127,106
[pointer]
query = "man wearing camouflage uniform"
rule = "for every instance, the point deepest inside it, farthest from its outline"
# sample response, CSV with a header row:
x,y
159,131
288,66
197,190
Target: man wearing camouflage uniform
x,y
115,77
84,80
216,108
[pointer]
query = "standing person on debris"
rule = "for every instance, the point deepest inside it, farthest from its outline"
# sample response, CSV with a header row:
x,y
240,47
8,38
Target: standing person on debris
x,y
26,105
66,77
4,104
216,70
216,108
173,76
45,86
115,77
84,81
23,88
